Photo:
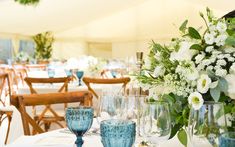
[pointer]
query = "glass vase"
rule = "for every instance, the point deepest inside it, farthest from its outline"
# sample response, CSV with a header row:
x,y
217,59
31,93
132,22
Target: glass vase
x,y
206,125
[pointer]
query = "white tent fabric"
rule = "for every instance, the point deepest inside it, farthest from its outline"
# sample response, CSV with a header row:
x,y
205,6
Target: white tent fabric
x,y
105,20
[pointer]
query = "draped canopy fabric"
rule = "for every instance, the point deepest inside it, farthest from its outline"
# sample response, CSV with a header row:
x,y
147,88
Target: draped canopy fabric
x,y
106,20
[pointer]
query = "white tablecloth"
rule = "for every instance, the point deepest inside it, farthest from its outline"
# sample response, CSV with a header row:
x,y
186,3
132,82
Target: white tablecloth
x,y
60,138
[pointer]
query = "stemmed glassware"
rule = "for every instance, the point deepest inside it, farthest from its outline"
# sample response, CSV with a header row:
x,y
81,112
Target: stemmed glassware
x,y
79,120
51,73
79,76
157,122
68,72
206,124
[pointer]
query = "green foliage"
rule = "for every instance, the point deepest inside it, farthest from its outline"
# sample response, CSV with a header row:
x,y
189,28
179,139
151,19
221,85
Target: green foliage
x,y
27,2
196,47
230,41
183,26
43,45
193,33
182,136
215,93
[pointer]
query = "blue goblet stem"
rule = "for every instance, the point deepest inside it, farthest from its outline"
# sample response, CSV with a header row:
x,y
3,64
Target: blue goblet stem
x,y
79,82
79,141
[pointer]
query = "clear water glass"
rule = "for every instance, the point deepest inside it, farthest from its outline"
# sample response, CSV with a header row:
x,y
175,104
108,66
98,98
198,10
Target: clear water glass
x,y
111,107
79,120
68,72
157,122
206,125
118,133
227,139
51,73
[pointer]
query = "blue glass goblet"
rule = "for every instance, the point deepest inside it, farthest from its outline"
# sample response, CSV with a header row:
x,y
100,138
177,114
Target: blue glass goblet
x,y
79,76
79,121
51,73
227,139
117,133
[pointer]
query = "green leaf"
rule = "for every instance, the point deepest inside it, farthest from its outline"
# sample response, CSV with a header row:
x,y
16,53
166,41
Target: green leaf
x,y
196,47
230,41
182,136
183,26
194,33
223,85
215,93
174,130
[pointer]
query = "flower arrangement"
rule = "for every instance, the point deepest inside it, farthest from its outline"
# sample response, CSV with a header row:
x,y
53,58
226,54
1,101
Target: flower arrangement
x,y
198,66
27,2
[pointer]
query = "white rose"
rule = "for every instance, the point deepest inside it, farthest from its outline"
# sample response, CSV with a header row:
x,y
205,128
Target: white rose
x,y
209,49
192,75
203,84
195,99
159,71
221,27
221,72
220,40
199,58
209,38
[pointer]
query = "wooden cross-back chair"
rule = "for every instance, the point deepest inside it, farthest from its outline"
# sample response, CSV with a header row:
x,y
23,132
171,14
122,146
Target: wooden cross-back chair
x,y
44,117
21,101
88,81
4,86
5,112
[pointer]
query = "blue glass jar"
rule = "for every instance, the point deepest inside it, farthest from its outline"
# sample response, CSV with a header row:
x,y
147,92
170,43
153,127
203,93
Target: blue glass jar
x,y
79,121
227,139
117,133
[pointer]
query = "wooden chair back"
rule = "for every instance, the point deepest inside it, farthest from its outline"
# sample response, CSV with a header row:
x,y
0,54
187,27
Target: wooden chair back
x,y
88,80
21,101
55,117
64,80
4,86
6,114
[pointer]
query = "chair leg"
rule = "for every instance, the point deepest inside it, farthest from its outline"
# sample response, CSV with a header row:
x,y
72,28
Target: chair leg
x,y
8,129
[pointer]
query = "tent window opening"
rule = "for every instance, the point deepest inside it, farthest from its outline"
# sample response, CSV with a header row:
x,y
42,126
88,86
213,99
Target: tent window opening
x,y
6,50
27,46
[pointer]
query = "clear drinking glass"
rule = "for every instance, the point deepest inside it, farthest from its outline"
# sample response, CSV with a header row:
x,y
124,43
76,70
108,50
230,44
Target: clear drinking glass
x,y
111,107
227,139
206,125
157,122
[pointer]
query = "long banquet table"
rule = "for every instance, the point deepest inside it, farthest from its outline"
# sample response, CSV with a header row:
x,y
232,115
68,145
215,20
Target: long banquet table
x,y
64,138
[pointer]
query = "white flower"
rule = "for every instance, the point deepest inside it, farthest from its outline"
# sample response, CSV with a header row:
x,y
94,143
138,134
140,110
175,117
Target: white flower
x,y
220,40
231,59
221,62
192,75
221,72
215,52
199,58
221,27
209,68
147,63
195,99
159,71
209,38
212,28
206,62
229,50
184,52
221,56
203,84
200,67
209,49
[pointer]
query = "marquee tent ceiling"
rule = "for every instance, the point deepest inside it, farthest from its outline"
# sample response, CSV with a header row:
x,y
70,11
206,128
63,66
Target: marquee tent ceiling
x,y
106,20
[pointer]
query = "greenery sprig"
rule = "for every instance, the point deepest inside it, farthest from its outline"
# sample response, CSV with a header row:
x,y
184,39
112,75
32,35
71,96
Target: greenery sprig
x,y
27,2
